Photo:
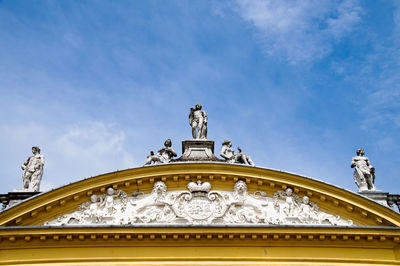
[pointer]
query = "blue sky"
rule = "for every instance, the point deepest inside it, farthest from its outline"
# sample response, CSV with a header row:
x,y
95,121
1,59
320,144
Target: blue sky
x,y
299,85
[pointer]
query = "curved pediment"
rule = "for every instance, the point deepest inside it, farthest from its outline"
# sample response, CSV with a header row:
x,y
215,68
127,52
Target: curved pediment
x,y
212,186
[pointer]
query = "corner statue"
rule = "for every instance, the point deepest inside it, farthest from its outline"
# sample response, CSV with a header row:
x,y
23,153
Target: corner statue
x,y
229,155
164,155
198,119
33,170
364,172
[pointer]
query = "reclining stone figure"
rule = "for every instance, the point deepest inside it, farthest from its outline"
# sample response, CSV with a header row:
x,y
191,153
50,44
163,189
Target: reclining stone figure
x,y
164,155
231,157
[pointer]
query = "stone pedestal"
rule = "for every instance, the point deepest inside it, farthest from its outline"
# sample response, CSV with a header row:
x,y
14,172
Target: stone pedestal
x,y
377,195
198,150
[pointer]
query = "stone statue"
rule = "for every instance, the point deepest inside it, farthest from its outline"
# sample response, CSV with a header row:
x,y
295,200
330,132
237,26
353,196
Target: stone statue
x,y
198,119
33,170
108,202
364,172
229,155
307,211
164,155
290,203
92,208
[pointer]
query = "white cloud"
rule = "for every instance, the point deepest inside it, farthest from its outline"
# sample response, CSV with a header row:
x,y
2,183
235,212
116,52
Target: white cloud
x,y
71,153
300,30
96,144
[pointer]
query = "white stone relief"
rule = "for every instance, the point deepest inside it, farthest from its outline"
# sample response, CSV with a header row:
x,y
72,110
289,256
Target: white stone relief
x,y
199,205
296,210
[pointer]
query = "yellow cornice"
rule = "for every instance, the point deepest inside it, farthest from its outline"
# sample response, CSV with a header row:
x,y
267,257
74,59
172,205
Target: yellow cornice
x,y
65,199
14,237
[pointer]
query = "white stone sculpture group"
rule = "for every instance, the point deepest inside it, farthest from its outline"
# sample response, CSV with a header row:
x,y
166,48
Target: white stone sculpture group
x,y
198,123
364,172
199,205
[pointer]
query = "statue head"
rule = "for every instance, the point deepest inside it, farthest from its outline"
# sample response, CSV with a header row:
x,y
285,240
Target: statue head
x,y
168,143
360,152
159,188
289,191
110,191
198,106
240,187
227,143
306,200
93,198
35,149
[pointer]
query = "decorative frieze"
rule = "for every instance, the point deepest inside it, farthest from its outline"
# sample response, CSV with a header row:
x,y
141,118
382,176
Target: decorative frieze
x,y
199,205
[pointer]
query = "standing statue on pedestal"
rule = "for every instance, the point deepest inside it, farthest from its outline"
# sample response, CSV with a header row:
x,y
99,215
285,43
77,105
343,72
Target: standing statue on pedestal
x,y
198,119
33,170
364,172
229,155
164,155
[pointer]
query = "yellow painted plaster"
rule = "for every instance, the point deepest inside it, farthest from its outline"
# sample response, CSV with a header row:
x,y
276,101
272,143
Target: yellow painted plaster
x,y
166,245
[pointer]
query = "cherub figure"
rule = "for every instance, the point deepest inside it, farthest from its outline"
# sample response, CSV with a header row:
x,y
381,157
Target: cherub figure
x,y
93,209
164,155
231,157
307,212
290,203
108,202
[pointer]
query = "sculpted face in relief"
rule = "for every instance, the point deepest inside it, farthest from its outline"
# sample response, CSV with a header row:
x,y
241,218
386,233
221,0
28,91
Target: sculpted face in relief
x,y
364,172
33,170
198,205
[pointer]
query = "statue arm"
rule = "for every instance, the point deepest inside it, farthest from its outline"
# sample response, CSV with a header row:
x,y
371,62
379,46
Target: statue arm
x,y
205,117
119,193
191,116
102,200
25,164
174,154
353,163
